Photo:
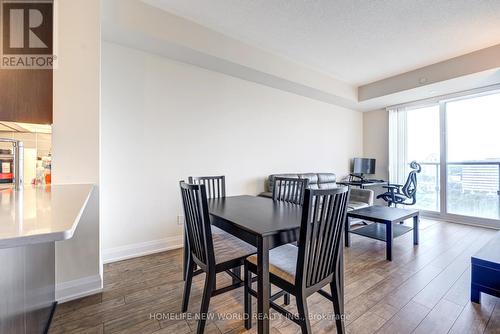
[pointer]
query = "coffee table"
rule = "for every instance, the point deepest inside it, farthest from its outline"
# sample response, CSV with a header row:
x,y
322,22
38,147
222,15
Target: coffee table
x,y
386,226
485,270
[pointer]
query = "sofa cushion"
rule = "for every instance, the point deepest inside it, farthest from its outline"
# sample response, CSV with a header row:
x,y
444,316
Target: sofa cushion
x,y
331,185
326,178
316,180
313,178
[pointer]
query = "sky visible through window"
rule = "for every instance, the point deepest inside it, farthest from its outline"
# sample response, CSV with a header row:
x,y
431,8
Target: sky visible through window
x,y
423,134
474,129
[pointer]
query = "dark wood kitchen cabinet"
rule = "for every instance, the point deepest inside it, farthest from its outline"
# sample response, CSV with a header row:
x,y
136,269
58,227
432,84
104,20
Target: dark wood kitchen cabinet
x,y
26,96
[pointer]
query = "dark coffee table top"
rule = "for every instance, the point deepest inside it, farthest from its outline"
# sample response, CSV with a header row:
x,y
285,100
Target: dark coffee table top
x,y
383,214
489,254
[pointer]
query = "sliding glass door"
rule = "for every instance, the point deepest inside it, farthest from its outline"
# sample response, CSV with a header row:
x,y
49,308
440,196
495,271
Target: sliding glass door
x,y
423,147
457,143
473,156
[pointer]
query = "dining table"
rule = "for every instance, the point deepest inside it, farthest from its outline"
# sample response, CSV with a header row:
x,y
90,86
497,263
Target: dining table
x,y
265,224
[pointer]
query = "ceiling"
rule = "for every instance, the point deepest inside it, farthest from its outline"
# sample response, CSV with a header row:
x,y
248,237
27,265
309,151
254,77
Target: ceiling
x,y
356,41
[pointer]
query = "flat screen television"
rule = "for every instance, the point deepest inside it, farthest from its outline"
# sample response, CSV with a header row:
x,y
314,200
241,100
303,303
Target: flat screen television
x,y
362,166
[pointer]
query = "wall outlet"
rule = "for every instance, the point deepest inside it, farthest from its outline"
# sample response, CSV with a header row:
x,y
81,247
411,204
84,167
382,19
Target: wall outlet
x,y
180,220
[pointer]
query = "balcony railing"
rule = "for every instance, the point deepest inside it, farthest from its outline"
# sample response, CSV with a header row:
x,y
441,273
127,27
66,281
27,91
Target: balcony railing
x,y
473,188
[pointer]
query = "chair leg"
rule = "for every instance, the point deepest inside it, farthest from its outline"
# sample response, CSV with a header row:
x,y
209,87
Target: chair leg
x,y
205,301
247,298
305,324
188,279
237,272
338,307
286,298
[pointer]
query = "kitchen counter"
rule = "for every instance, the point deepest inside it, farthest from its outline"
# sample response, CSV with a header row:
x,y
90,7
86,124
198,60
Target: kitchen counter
x,y
41,214
32,220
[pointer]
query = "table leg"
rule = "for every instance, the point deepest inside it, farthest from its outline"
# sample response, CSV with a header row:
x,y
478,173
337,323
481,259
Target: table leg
x,y
263,285
388,238
475,295
415,229
347,236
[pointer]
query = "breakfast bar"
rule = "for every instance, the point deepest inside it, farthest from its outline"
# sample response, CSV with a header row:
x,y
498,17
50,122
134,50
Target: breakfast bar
x,y
31,221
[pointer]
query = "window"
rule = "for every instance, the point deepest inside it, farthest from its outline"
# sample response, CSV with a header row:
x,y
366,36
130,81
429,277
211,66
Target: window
x,y
473,156
457,143
423,146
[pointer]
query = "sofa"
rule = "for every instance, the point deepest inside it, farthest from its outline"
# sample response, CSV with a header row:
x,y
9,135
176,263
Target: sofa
x,y
360,198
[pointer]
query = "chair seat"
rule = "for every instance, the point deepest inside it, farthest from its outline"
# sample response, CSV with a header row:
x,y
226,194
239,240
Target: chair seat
x,y
353,205
388,195
282,262
228,247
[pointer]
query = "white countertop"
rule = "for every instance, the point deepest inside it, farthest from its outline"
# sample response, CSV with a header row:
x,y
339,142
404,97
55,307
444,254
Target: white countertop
x,y
40,214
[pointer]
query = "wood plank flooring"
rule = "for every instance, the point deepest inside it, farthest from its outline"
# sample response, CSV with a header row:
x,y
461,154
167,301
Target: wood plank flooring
x,y
425,289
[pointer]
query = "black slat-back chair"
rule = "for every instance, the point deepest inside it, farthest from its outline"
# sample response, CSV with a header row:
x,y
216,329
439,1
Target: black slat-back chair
x,y
315,263
213,253
215,185
403,194
289,189
216,188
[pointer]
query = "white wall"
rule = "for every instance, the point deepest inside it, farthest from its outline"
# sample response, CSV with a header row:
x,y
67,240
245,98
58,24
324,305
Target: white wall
x,y
75,139
163,121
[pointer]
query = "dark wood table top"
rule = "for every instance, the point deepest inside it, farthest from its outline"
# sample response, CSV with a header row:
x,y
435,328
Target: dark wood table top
x,y
383,214
257,215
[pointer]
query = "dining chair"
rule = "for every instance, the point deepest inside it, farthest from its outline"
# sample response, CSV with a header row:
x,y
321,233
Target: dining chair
x,y
289,189
215,185
213,253
216,188
305,269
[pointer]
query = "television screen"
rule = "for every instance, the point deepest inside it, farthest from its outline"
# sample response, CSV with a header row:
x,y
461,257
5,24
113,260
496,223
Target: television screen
x,y
363,166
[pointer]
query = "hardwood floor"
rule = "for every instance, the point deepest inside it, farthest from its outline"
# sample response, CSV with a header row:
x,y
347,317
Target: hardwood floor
x,y
425,289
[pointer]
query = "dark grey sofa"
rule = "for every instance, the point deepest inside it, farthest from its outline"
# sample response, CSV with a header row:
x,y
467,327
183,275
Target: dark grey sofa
x,y
360,198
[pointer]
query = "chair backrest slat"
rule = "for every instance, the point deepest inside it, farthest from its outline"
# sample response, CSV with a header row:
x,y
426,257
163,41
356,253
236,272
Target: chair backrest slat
x,y
289,189
198,228
215,185
323,218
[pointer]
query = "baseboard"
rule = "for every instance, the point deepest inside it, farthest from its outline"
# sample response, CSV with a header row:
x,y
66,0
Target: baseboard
x,y
78,288
141,249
